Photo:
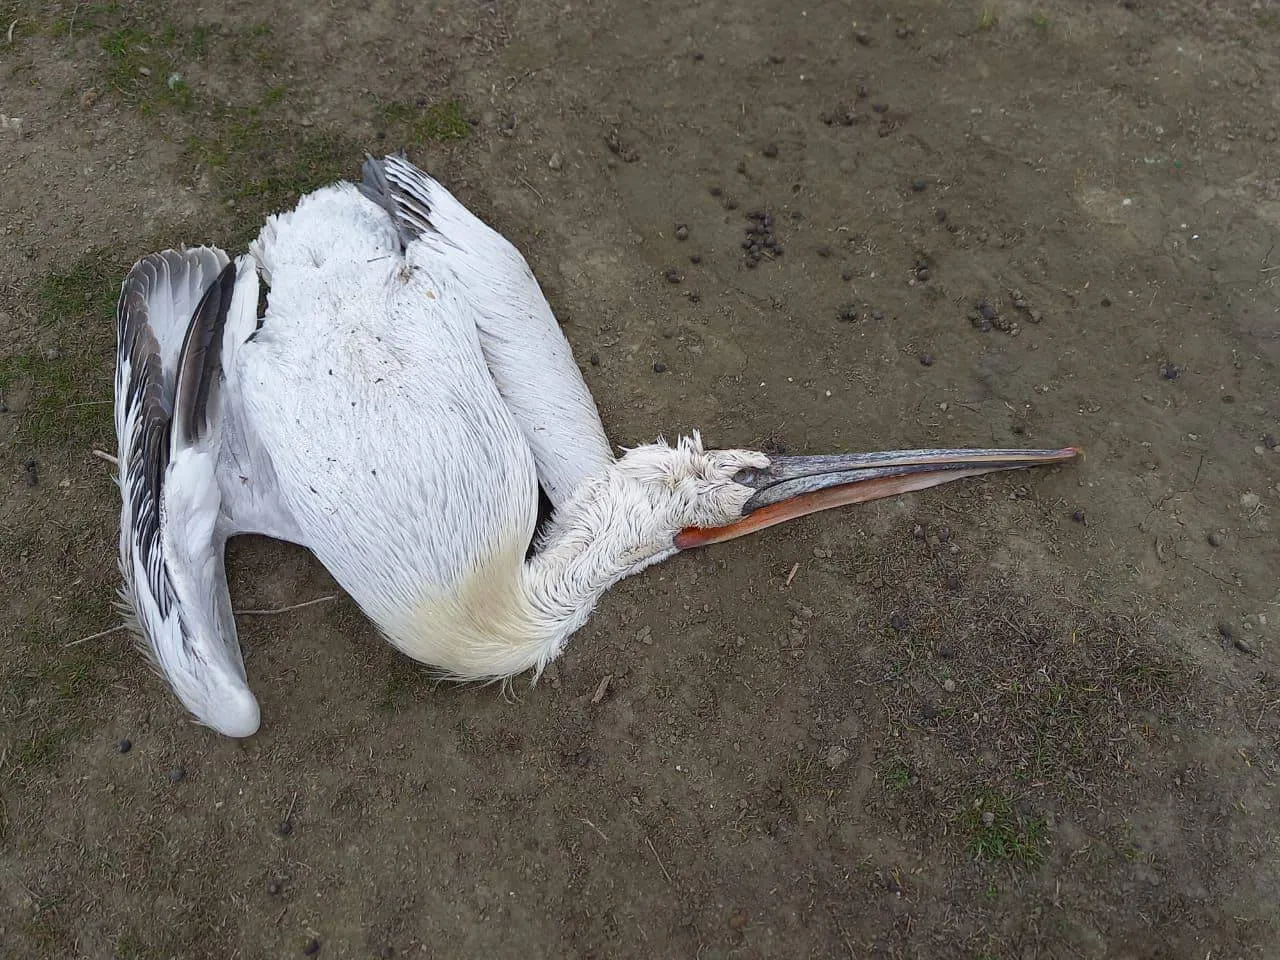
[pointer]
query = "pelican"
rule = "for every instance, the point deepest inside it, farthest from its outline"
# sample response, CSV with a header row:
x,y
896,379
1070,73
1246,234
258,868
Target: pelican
x,y
401,409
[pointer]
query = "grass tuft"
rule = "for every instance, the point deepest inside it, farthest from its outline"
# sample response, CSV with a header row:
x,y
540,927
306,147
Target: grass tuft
x,y
419,125
998,834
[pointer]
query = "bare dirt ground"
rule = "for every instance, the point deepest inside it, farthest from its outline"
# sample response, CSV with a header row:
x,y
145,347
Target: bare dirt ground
x,y
1035,716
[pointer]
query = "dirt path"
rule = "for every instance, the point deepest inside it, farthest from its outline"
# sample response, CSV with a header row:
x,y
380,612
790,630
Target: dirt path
x,y
1031,717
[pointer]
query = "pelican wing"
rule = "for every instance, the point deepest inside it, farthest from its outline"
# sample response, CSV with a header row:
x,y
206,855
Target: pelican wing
x,y
169,325
526,353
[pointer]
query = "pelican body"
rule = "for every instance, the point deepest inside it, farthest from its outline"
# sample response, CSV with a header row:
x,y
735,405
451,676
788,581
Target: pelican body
x,y
399,410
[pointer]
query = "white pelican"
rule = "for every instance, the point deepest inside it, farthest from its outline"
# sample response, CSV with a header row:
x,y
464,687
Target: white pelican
x,y
396,411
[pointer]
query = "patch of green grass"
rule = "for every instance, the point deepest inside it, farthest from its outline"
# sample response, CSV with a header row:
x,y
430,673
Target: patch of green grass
x,y
417,126
261,166
1267,20
69,386
67,403
1040,21
896,774
145,67
998,834
85,290
988,19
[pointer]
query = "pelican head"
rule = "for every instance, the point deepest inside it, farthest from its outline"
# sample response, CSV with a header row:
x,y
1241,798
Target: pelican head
x,y
786,488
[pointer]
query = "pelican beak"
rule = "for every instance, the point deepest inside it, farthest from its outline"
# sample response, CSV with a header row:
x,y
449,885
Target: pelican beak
x,y
792,487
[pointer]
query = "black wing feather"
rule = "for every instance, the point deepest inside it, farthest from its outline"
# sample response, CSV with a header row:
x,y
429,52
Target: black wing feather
x,y
145,391
200,361
409,210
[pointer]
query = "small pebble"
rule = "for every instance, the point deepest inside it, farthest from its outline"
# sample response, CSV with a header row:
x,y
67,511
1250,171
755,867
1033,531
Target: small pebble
x,y
922,273
312,947
556,161
176,775
284,828
926,360
1078,516
770,150
919,184
898,623
1268,440
124,746
837,757
877,314
1215,539
30,473
595,359
949,685
848,313
986,310
682,232
273,888
1226,630
1169,370
672,275
988,818
695,258
659,368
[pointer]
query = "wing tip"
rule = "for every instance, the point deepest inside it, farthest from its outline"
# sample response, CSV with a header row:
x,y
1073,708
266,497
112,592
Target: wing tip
x,y
401,189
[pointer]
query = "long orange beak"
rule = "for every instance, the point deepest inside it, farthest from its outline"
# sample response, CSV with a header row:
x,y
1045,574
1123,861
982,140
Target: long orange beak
x,y
793,487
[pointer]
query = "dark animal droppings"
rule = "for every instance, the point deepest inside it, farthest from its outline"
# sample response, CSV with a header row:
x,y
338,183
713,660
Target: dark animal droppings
x,y
898,622
30,473
659,368
919,184
595,359
312,947
124,746
929,710
824,251
1078,516
285,828
695,258
273,888
926,360
1169,370
682,232
716,191
176,775
770,150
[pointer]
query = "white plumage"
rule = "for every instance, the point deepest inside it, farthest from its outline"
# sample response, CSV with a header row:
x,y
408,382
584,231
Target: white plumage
x,y
396,411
